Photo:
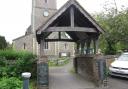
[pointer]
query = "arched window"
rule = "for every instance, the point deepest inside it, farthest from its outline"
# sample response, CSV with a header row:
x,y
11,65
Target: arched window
x,y
65,45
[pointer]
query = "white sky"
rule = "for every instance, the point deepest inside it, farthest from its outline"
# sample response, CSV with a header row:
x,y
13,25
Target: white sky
x,y
15,15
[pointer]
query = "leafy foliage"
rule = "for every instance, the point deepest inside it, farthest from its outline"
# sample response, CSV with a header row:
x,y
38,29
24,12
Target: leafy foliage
x,y
15,55
14,83
10,83
116,27
13,63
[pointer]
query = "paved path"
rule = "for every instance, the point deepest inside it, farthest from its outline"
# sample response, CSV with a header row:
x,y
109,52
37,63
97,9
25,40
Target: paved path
x,y
61,78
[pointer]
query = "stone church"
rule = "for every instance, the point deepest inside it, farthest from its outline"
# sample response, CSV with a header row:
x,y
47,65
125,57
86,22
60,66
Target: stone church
x,y
42,11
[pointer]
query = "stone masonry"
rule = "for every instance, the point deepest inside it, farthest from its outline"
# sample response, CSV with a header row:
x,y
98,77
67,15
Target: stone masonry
x,y
28,41
87,67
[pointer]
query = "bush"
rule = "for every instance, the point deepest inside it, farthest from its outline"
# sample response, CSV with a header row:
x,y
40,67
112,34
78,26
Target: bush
x,y
110,51
15,55
13,83
2,61
10,83
13,63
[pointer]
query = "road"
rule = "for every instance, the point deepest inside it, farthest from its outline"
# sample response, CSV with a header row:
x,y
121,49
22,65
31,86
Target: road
x,y
118,83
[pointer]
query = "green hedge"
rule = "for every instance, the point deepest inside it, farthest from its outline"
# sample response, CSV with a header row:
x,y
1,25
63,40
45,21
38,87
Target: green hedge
x,y
13,83
10,83
15,55
13,63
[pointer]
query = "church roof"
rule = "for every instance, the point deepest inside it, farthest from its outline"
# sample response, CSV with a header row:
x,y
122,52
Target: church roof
x,y
63,9
29,30
27,33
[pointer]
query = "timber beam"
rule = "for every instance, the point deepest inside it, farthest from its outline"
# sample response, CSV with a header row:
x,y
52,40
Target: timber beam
x,y
69,29
53,40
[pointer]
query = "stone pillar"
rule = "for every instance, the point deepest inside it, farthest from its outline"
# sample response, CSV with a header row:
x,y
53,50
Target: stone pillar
x,y
101,71
93,68
42,68
75,65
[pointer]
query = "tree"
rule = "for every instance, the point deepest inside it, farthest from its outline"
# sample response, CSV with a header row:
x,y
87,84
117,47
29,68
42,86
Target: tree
x,y
116,27
3,43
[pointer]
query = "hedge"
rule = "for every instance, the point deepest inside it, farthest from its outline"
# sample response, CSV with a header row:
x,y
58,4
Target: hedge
x,y
13,63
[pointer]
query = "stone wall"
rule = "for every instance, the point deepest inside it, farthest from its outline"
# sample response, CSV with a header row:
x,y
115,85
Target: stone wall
x,y
29,43
56,47
69,47
43,4
51,49
87,67
39,7
39,18
24,43
110,59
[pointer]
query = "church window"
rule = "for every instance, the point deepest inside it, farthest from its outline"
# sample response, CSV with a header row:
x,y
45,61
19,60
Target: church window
x,y
24,46
65,45
46,45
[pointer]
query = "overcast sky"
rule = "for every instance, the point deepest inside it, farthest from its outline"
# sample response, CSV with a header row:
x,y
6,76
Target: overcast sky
x,y
15,15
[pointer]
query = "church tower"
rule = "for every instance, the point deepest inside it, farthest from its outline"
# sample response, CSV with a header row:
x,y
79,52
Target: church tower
x,y
42,10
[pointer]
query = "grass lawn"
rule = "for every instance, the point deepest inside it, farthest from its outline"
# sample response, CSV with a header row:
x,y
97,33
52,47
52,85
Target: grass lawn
x,y
58,62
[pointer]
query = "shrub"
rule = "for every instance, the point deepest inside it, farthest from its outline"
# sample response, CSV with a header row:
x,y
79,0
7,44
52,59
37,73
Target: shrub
x,y
15,55
10,83
13,63
13,83
2,61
